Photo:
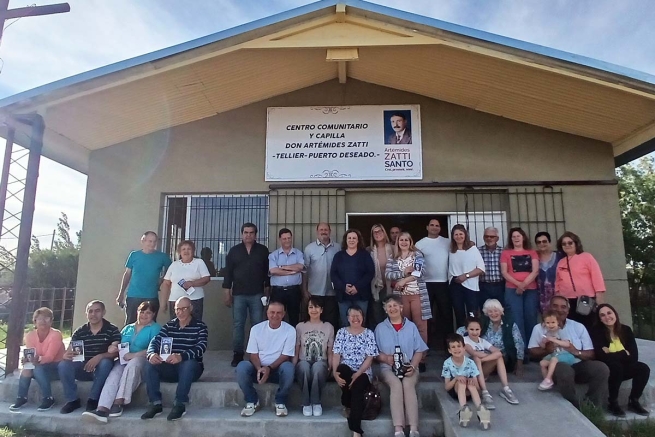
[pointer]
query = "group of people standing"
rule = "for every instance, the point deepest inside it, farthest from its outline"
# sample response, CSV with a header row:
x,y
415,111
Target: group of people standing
x,y
405,290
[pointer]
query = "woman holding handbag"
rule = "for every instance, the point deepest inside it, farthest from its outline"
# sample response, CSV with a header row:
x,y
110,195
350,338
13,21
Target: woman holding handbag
x,y
579,279
352,355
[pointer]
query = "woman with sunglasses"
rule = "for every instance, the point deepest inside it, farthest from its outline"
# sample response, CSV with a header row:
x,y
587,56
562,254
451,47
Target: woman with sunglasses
x,y
578,276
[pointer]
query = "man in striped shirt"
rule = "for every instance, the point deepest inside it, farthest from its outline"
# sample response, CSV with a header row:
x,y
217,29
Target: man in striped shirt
x,y
183,365
99,337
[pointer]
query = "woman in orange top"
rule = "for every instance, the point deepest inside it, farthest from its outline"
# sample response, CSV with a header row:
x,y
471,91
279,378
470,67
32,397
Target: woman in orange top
x,y
578,274
49,351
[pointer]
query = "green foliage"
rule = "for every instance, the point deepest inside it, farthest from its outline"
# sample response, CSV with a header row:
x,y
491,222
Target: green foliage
x,y
55,267
637,202
617,428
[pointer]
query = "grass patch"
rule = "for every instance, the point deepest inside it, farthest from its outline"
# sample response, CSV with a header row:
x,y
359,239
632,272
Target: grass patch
x,y
618,428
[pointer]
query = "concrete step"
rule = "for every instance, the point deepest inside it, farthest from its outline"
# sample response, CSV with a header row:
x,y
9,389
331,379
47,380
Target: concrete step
x,y
220,394
539,414
222,422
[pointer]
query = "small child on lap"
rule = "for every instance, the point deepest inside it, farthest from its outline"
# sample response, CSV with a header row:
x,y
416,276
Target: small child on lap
x,y
559,355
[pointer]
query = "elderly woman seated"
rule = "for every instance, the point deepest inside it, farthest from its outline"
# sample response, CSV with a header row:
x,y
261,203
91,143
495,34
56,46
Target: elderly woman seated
x,y
499,329
401,349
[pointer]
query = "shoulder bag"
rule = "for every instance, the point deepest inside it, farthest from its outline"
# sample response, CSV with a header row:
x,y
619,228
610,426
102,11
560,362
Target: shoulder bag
x,y
585,305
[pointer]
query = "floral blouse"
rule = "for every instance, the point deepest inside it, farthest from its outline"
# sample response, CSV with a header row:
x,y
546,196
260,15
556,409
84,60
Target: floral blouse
x,y
354,349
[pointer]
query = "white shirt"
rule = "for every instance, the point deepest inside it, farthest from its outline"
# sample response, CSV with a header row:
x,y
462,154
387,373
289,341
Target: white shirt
x,y
573,331
465,261
270,343
481,346
196,269
435,252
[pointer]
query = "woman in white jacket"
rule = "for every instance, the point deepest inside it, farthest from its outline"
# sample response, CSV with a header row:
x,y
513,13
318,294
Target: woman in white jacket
x,y
465,265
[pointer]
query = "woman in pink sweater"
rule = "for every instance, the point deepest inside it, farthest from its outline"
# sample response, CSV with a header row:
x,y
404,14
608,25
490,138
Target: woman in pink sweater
x,y
48,351
578,274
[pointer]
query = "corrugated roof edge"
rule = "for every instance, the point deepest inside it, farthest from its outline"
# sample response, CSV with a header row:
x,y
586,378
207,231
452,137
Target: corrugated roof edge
x,y
323,4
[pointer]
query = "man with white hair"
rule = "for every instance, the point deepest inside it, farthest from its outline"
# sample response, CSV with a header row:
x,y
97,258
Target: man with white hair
x,y
492,283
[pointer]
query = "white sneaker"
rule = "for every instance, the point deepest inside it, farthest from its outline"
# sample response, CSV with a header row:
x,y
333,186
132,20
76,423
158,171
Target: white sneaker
x,y
281,410
249,409
306,410
317,410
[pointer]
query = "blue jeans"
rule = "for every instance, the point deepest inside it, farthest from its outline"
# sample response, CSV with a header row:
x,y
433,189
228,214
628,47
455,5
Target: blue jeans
x,y
240,306
524,309
464,301
343,309
184,373
492,290
283,376
69,371
43,374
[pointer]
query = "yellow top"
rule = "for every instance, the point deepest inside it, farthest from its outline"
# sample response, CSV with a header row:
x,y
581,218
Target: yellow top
x,y
616,345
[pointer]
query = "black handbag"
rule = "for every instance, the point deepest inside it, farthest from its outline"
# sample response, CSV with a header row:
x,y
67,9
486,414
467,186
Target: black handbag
x,y
372,402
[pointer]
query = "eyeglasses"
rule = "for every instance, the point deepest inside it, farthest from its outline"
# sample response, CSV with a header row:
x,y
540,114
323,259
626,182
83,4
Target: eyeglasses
x,y
542,242
182,309
491,236
377,231
568,243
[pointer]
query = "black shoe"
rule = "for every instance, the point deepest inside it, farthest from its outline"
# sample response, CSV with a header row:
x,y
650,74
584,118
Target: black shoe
x,y
177,412
615,410
421,368
95,416
69,407
46,404
238,357
18,404
91,404
153,411
635,407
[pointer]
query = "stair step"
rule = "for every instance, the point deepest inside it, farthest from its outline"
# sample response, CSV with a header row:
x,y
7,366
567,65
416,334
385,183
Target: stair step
x,y
215,422
221,394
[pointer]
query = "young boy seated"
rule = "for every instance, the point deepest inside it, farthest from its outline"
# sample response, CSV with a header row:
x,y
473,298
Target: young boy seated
x,y
461,376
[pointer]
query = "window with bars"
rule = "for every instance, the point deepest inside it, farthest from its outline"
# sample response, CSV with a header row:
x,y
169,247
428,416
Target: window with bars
x,y
212,221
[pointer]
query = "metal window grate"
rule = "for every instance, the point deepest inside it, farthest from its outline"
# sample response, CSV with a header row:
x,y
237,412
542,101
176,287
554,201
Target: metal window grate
x,y
213,221
301,210
532,209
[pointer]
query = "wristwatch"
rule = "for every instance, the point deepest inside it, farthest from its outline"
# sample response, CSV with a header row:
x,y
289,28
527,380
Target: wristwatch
x,y
467,276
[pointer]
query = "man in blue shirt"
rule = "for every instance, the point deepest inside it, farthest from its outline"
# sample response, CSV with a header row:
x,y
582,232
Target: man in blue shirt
x,y
142,277
285,266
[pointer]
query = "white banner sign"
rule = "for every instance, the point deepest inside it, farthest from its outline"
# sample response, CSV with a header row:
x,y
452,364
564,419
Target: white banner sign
x,y
343,142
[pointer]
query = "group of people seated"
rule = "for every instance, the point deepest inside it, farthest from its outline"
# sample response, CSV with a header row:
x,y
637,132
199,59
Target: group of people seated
x,y
116,361
400,284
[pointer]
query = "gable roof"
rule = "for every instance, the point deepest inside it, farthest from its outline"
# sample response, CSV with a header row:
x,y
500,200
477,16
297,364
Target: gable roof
x,y
338,39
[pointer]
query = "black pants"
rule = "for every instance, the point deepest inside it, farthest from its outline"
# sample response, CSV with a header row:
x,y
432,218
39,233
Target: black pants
x,y
132,304
441,322
587,321
353,397
197,308
291,297
622,371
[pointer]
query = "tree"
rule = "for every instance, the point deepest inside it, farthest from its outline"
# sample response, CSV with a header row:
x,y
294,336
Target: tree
x,y
55,267
637,202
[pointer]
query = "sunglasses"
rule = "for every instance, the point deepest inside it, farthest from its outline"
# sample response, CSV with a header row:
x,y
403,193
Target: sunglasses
x,y
568,243
542,242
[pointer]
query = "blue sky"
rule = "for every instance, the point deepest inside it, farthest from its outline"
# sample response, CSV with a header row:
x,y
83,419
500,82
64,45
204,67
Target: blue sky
x,y
39,50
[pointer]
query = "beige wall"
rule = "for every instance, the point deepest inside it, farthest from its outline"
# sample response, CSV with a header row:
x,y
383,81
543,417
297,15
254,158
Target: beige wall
x,y
225,154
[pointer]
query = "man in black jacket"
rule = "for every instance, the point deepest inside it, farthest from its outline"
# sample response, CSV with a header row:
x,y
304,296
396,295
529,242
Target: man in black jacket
x,y
246,281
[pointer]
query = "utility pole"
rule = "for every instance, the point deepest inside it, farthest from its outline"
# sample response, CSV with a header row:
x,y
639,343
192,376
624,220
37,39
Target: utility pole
x,y
30,11
18,303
